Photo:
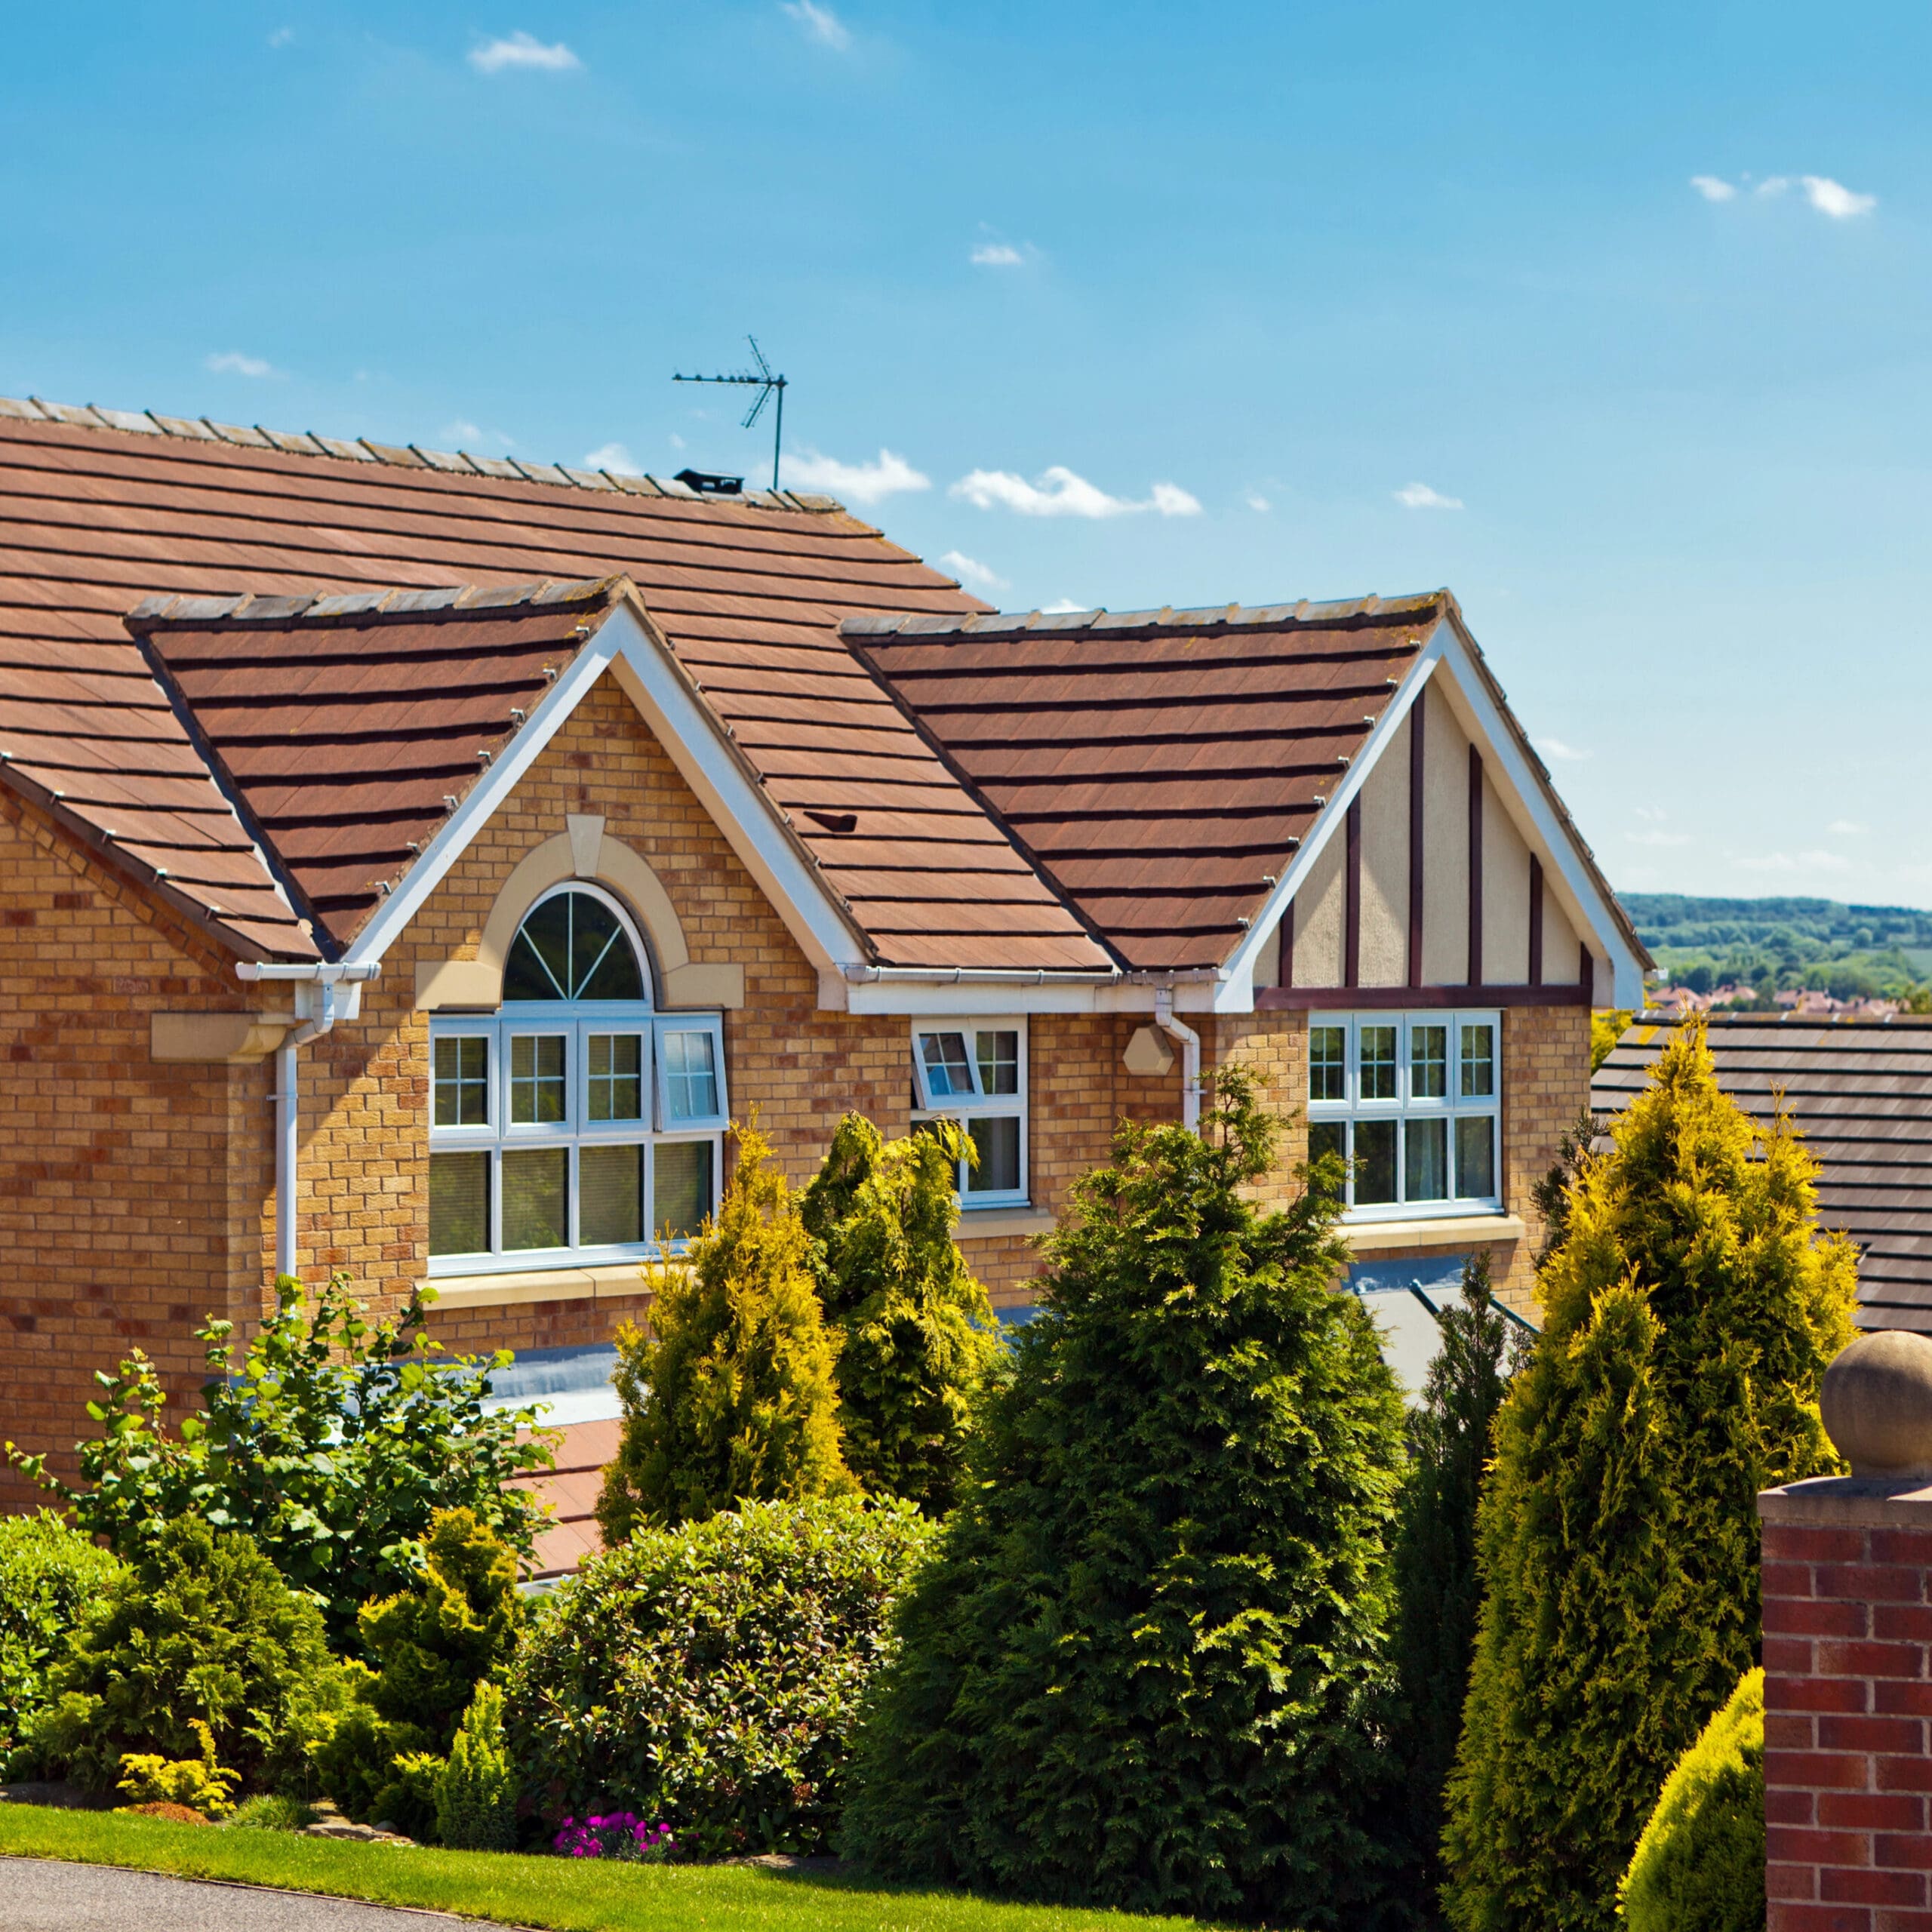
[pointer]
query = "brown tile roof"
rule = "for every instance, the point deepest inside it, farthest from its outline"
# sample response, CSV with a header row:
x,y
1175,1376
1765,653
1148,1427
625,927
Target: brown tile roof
x,y
99,509
569,1491
1861,1096
1160,766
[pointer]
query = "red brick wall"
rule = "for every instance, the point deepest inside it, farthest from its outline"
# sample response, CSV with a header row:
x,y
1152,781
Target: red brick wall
x,y
1848,1696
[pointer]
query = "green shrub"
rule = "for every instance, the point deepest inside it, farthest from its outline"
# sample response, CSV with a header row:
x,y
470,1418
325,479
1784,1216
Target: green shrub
x,y
433,1645
1438,1590
201,1632
913,1328
332,1446
269,1811
1699,1866
476,1789
1139,1669
200,1783
731,1397
1690,1313
51,1575
709,1677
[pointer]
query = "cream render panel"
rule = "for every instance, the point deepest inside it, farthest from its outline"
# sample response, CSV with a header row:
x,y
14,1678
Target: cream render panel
x,y
1445,883
1505,895
1562,951
1384,932
1320,912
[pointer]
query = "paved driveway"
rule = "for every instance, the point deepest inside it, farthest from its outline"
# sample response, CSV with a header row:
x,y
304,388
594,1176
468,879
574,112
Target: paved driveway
x,y
49,1895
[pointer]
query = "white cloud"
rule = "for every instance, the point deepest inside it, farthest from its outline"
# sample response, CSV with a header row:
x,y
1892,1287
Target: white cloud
x,y
1656,836
525,50
1832,198
1712,188
968,570
1058,491
232,362
820,23
1556,749
888,475
997,255
1061,606
613,456
1797,861
1256,501
464,434
282,36
677,441
1773,184
1420,496
1848,828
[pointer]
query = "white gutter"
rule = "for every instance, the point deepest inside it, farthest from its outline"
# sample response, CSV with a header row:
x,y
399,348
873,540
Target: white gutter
x,y
329,993
1190,1057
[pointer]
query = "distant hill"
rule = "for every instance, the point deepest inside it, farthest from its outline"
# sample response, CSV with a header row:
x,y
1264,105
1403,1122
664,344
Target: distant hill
x,y
1775,943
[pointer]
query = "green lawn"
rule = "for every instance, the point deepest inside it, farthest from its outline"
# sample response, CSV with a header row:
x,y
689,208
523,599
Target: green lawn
x,y
568,1895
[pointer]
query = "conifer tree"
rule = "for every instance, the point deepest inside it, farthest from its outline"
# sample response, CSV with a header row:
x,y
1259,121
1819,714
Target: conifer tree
x,y
913,1328
1691,1312
1141,1668
730,1395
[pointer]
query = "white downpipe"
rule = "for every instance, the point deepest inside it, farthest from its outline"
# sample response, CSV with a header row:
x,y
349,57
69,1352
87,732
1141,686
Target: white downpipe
x,y
1190,1056
330,992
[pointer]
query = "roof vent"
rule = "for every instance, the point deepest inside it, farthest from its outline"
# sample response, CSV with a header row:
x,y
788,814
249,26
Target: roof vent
x,y
707,483
835,821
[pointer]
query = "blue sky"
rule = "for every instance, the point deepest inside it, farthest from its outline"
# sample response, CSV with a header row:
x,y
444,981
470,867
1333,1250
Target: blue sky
x,y
1613,320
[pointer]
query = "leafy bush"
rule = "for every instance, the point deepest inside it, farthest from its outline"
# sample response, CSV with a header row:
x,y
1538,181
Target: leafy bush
x,y
433,1644
201,1639
731,1398
1137,1671
476,1789
913,1328
200,1783
51,1575
708,1678
1699,1866
332,1446
1438,1591
1691,1311
269,1811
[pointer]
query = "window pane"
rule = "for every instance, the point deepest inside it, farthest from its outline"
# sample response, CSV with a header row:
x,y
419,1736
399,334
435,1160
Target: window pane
x,y
537,1087
1328,1064
998,1140
1425,1160
690,1076
462,1082
1375,1160
681,1189
999,1063
539,967
1478,1061
1327,1136
1378,1063
614,1066
1475,1158
948,1071
535,1182
610,1195
1429,1063
602,964
459,1203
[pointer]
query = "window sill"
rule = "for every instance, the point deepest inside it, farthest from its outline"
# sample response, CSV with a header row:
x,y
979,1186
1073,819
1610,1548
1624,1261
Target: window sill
x,y
1431,1230
611,1282
1002,1223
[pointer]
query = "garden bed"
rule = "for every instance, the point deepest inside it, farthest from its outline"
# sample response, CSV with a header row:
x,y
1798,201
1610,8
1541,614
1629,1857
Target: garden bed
x,y
558,1894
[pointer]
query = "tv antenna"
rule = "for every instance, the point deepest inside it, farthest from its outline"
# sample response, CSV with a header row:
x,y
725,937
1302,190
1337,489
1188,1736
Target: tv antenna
x,y
767,385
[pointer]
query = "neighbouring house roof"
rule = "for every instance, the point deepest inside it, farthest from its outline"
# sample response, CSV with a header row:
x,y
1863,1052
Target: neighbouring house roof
x,y
1861,1094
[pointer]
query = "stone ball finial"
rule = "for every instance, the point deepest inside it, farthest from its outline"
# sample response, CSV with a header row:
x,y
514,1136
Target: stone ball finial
x,y
1877,1405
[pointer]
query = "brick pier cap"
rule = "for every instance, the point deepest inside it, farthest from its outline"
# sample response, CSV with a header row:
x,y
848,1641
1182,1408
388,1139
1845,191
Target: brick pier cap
x,y
1847,1623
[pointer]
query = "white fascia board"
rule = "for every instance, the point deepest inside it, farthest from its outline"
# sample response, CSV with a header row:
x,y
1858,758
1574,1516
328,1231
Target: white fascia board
x,y
922,998
1524,797
741,809
1236,993
453,838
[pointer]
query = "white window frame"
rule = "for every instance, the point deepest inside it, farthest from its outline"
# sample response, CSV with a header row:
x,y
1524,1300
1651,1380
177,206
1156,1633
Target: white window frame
x,y
1405,1107
575,1020
978,1105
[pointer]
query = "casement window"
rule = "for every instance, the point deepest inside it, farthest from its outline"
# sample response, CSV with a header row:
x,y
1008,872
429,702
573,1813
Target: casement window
x,y
974,1071
575,1124
1414,1103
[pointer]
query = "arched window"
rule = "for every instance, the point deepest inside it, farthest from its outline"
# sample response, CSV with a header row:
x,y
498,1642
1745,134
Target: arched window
x,y
575,1125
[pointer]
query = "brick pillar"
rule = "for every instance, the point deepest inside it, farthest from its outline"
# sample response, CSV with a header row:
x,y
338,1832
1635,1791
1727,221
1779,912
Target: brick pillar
x,y
1848,1696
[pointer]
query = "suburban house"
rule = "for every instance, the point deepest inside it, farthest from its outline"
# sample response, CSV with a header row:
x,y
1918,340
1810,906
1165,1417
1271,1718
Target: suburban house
x,y
1860,1092
414,862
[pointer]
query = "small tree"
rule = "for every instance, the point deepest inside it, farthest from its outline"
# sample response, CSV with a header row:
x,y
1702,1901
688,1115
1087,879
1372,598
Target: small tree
x,y
1438,1591
1690,1313
731,1397
1137,1670
912,1327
